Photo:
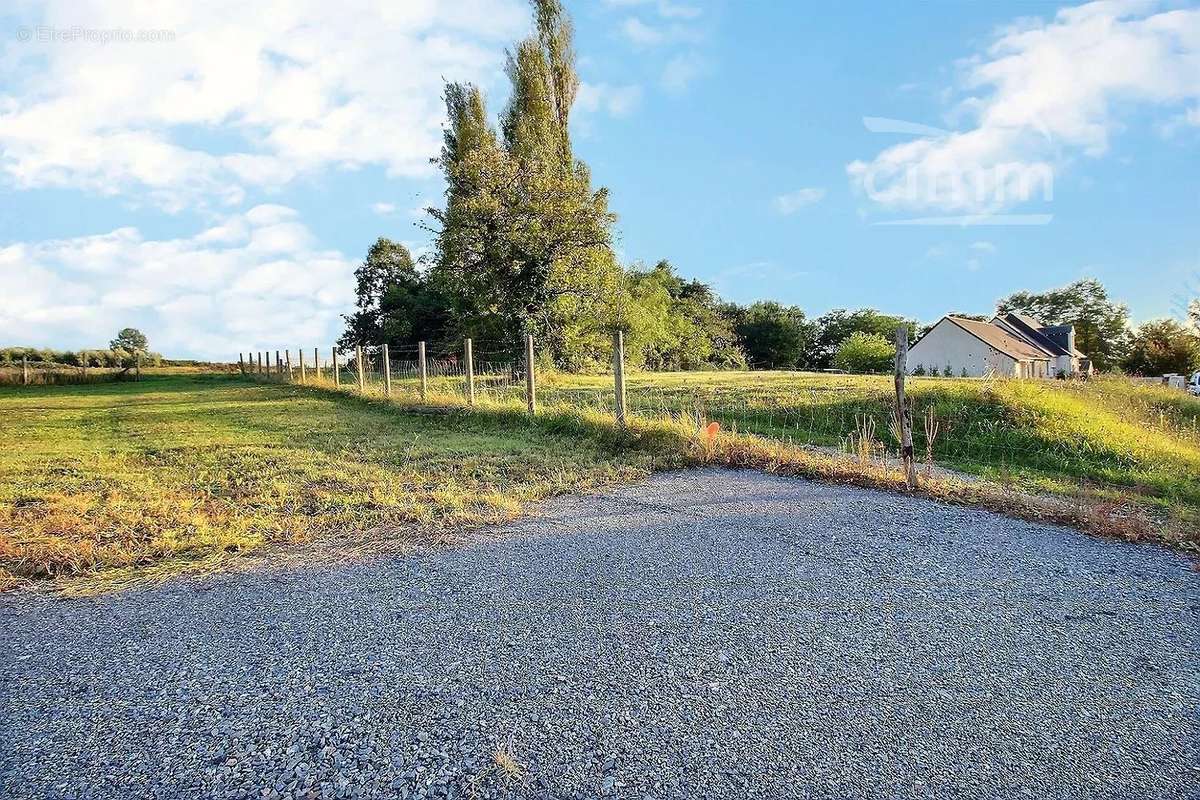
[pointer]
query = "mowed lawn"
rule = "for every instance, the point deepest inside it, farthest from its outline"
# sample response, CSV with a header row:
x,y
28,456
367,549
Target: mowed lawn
x,y
122,476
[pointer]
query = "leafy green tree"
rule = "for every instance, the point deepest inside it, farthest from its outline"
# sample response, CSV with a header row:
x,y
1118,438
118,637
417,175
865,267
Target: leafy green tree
x,y
388,267
524,244
1101,326
775,336
1194,315
1163,346
395,304
675,324
865,352
131,340
836,326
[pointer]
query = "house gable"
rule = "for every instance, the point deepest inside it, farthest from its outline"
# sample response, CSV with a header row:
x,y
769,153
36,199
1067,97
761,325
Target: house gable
x,y
949,345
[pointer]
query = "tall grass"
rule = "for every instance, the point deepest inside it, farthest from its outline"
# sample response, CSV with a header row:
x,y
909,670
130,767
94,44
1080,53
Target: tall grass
x,y
40,374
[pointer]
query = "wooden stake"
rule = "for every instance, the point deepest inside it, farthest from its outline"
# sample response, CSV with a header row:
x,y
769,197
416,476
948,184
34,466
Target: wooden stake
x,y
278,364
619,375
530,383
287,354
421,368
337,373
241,364
362,379
903,410
137,367
469,354
303,374
316,364
24,370
387,372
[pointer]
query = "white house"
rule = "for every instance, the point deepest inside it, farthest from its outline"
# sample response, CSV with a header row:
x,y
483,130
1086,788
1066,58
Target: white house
x,y
1011,345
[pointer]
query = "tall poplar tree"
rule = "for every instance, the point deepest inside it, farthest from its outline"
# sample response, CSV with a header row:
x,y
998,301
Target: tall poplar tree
x,y
524,245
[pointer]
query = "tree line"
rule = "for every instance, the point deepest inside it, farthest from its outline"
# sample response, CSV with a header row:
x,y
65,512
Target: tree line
x,y
122,352
523,245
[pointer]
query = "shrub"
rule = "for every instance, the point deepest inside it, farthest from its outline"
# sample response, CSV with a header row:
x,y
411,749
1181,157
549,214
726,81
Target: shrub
x,y
864,352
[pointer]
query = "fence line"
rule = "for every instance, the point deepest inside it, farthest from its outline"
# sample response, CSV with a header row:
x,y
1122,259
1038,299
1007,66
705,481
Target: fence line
x,y
862,424
46,373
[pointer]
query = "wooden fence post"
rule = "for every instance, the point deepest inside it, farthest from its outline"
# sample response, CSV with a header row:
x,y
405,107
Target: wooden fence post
x,y
423,370
337,373
241,363
903,410
530,383
303,374
316,364
278,364
287,354
24,370
387,372
137,367
619,375
469,354
358,359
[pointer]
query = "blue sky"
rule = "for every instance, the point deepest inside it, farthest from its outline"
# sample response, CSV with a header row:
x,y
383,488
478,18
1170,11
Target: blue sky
x,y
216,185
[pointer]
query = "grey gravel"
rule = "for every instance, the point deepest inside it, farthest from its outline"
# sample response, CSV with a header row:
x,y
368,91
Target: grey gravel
x,y
703,634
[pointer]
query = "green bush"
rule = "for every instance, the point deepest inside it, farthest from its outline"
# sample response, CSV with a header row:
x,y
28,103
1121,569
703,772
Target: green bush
x,y
864,352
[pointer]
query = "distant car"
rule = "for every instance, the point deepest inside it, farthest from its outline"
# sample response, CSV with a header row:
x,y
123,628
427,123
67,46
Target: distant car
x,y
1193,386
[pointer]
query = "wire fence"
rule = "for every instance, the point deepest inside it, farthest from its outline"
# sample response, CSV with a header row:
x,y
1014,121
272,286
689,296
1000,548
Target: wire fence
x,y
41,373
405,372
850,415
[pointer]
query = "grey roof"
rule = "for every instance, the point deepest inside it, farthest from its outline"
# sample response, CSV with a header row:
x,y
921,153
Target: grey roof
x,y
1032,330
1036,324
1000,339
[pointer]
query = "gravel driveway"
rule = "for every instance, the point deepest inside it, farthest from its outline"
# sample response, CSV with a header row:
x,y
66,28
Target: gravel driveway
x,y
703,634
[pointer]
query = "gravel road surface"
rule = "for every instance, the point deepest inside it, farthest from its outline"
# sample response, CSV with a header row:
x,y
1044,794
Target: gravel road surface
x,y
703,634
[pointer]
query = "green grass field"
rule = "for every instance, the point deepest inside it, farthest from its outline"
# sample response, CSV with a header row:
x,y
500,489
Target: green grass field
x,y
120,476
1106,436
1106,432
180,471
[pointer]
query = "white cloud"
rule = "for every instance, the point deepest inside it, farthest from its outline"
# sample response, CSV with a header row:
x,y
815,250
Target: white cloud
x,y
681,70
292,89
792,202
383,209
983,247
640,33
1043,92
665,8
255,280
617,101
